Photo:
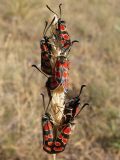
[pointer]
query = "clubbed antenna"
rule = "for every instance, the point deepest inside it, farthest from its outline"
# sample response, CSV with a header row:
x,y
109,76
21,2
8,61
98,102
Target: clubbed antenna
x,y
48,105
81,90
45,108
74,42
46,28
68,49
51,10
49,25
44,32
43,98
60,9
86,104
39,70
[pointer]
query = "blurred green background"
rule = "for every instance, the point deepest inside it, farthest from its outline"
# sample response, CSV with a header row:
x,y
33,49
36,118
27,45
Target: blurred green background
x,y
95,61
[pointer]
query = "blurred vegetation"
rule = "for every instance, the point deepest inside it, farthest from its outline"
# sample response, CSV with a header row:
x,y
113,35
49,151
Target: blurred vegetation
x,y
95,61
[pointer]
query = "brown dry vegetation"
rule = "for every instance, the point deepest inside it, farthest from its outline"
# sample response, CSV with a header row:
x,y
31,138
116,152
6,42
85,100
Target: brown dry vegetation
x,y
95,62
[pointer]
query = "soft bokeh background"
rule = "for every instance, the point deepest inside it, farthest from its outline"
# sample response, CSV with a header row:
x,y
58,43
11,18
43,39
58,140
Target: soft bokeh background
x,y
95,61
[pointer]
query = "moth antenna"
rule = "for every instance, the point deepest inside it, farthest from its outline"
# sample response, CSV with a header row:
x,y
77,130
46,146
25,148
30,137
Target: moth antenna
x,y
46,23
65,50
49,26
68,49
51,10
48,105
81,90
74,42
86,104
68,52
43,98
60,9
39,70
